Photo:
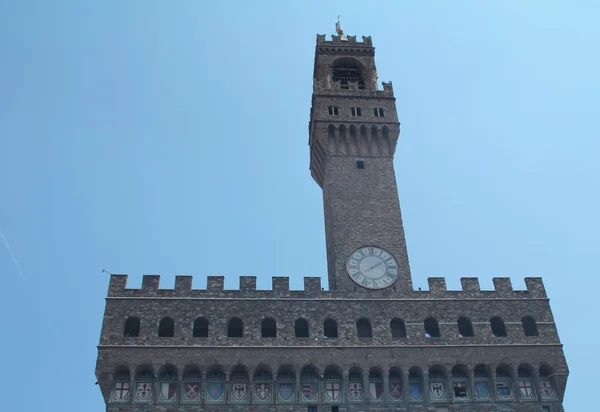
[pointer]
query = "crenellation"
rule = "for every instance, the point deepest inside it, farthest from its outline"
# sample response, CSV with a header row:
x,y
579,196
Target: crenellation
x,y
312,284
150,283
437,285
247,283
342,40
536,286
117,285
281,284
502,284
470,284
183,283
215,283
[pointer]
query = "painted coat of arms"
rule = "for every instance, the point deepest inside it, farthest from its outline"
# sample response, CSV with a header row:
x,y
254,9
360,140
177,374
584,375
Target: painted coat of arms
x,y
191,391
262,392
376,390
355,391
526,388
286,392
333,391
396,390
415,390
168,392
309,391
143,392
437,390
120,392
546,390
215,392
482,389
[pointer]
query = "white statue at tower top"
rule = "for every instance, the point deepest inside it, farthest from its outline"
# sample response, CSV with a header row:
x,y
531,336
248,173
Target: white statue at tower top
x,y
339,30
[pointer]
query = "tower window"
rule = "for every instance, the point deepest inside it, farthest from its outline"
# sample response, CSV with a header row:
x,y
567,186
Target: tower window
x,y
166,328
355,111
378,111
269,328
132,327
200,328
301,328
360,164
235,328
333,110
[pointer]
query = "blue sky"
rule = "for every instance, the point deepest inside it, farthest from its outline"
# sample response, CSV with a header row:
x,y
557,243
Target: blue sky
x,y
149,137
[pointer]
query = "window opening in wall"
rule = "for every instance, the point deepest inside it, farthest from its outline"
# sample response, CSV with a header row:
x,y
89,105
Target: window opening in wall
x,y
269,328
346,73
432,329
200,328
301,328
166,328
360,164
465,328
333,110
312,409
330,328
497,325
132,327
529,326
363,328
398,328
355,111
546,409
378,112
235,328
335,408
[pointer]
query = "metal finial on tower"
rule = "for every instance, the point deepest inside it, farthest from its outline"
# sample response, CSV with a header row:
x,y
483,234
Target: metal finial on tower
x,y
338,27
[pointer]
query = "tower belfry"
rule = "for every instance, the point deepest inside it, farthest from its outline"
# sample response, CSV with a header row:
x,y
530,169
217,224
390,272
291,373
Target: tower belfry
x,y
370,342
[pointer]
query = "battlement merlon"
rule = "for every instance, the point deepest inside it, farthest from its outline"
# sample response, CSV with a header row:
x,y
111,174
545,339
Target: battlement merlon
x,y
343,41
312,289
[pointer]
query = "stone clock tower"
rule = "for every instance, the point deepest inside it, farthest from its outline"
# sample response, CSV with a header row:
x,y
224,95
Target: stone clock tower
x,y
368,343
354,129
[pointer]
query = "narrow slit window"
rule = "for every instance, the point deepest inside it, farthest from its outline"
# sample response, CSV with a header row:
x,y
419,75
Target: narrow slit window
x,y
333,110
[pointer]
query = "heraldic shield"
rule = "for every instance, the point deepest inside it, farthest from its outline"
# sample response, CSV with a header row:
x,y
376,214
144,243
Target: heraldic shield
x,y
547,391
191,392
167,392
415,391
120,392
286,392
262,392
395,390
526,388
437,390
482,389
239,392
215,392
333,391
310,391
143,392
376,390
355,391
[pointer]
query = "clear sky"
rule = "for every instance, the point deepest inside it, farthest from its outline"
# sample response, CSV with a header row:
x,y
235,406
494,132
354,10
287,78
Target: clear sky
x,y
153,137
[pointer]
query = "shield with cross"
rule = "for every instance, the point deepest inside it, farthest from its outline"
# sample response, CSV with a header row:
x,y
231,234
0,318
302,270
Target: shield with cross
x,y
333,390
120,392
526,388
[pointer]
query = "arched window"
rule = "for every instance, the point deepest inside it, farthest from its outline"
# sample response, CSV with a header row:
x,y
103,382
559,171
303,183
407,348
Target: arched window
x,y
497,325
269,328
238,388
363,328
192,383
398,328
437,384
309,383
347,74
529,326
235,328
333,384
132,327
200,328
330,328
546,385
395,379
415,384
166,328
504,387
121,387
526,388
355,385
167,385
465,328
375,385
301,328
144,388
215,386
460,383
482,382
432,329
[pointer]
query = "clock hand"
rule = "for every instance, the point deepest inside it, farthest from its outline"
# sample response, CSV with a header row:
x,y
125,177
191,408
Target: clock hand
x,y
374,266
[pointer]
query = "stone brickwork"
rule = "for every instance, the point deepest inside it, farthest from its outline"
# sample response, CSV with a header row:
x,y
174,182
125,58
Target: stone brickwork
x,y
346,349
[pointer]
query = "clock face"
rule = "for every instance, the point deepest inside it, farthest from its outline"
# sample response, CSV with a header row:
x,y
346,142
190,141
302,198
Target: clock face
x,y
372,267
